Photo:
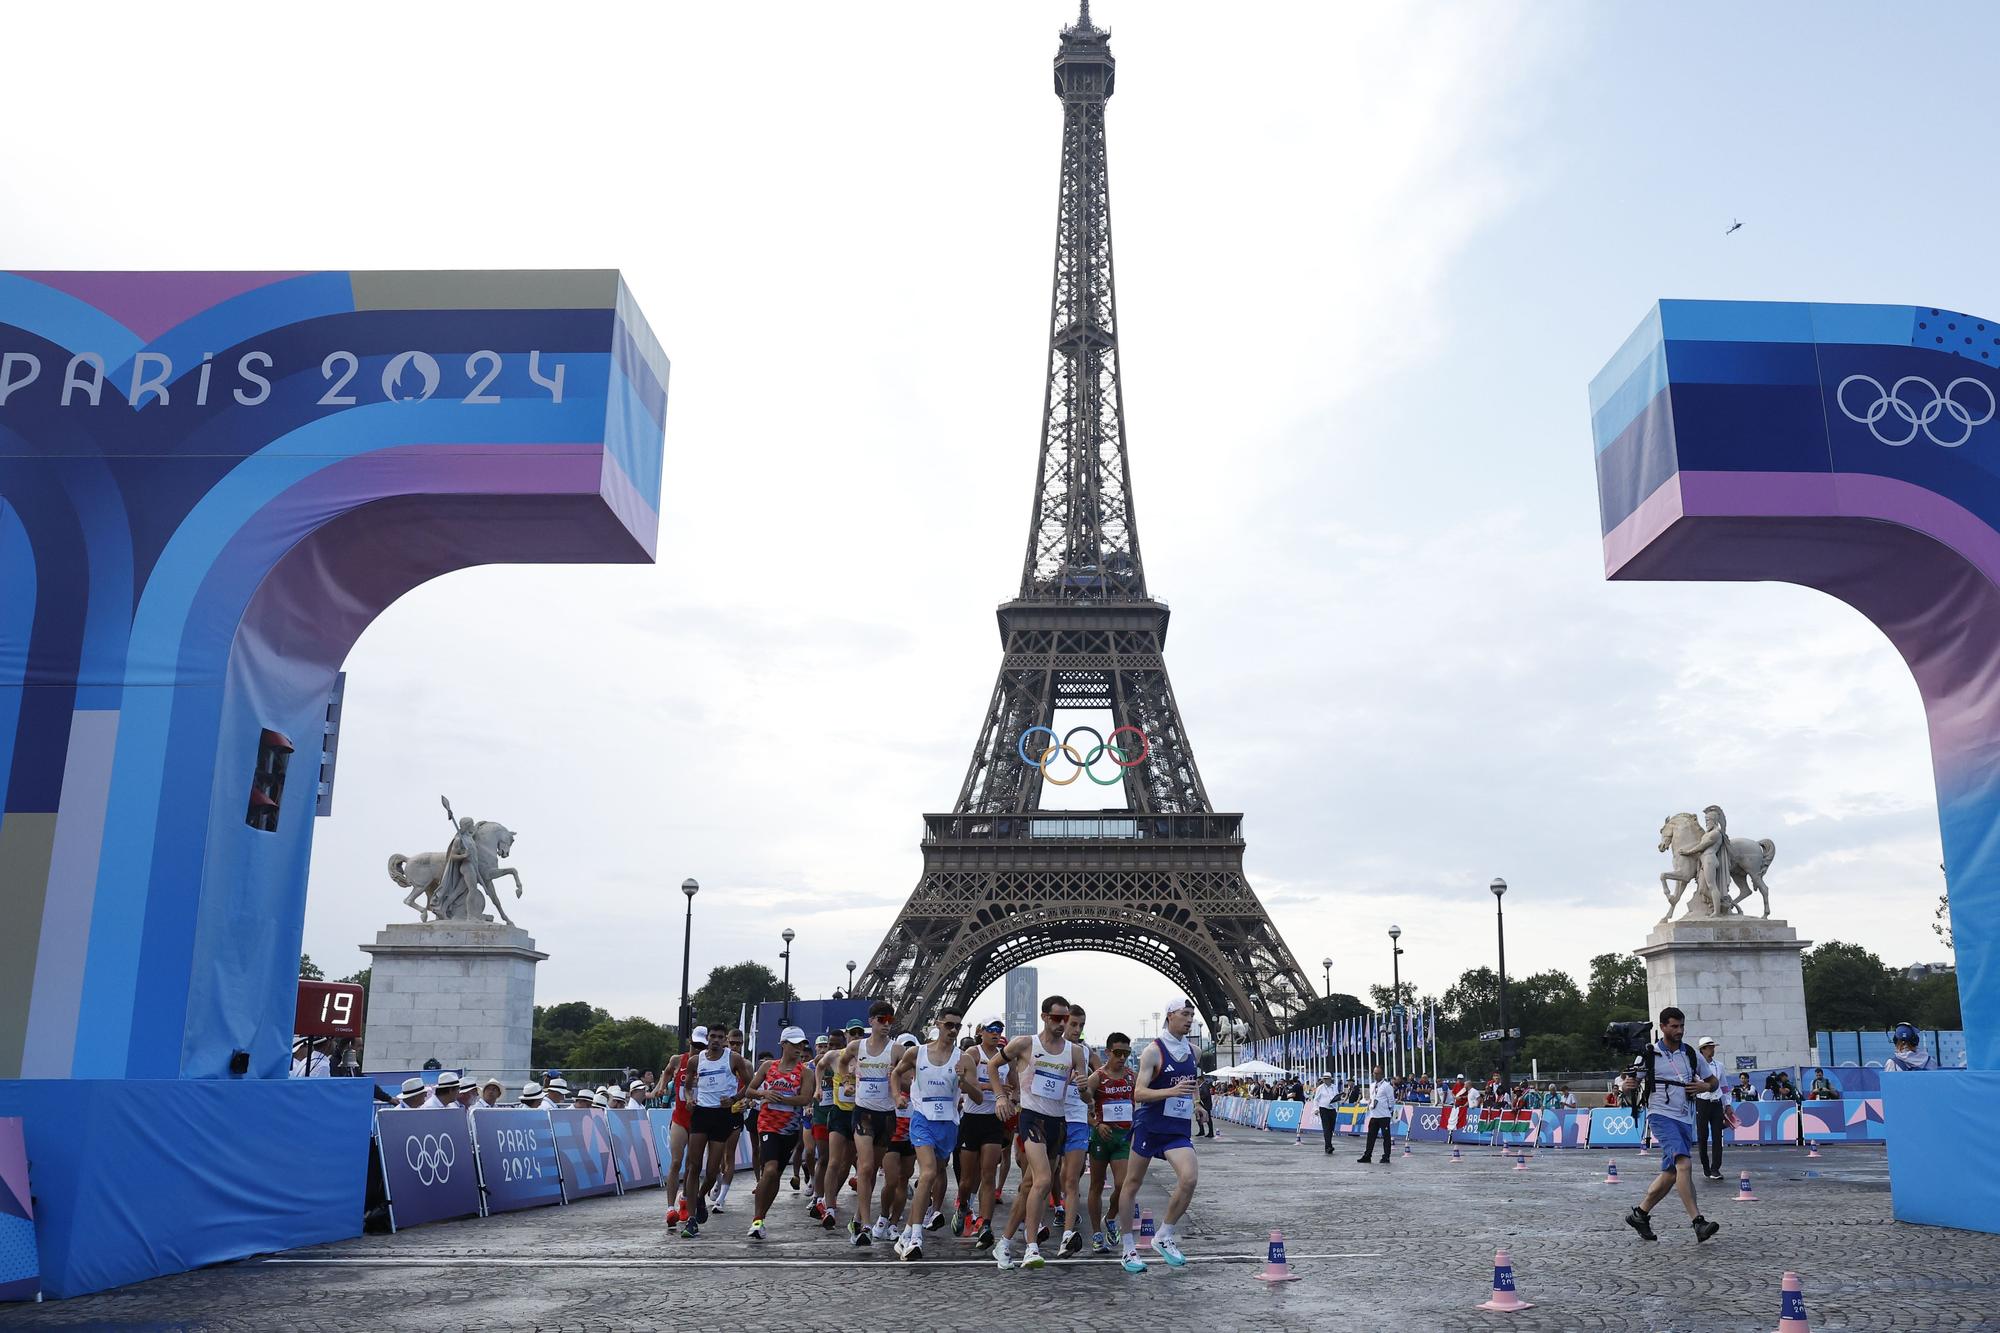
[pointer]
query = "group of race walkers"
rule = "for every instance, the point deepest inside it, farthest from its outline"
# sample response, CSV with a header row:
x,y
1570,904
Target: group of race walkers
x,y
880,1104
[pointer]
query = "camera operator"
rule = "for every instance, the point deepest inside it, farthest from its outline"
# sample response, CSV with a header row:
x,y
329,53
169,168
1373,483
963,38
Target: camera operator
x,y
1711,1117
1674,1075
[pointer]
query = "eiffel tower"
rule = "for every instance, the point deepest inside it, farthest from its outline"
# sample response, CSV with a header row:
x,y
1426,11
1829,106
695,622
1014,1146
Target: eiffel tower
x,y
1159,879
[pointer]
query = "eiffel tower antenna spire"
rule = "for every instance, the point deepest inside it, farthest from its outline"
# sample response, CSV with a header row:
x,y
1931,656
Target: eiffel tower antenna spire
x,y
1161,879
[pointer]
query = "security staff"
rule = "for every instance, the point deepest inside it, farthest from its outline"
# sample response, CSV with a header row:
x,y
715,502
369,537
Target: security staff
x,y
1711,1114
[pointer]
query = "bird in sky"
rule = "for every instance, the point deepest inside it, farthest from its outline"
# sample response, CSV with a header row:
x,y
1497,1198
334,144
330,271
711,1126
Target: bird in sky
x,y
1734,227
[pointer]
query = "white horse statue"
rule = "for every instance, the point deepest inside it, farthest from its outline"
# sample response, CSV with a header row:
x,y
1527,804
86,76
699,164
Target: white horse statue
x,y
1748,861
424,875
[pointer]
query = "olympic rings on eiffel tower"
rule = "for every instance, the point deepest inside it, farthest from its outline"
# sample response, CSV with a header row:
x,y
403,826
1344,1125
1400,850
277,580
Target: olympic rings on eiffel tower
x,y
1084,762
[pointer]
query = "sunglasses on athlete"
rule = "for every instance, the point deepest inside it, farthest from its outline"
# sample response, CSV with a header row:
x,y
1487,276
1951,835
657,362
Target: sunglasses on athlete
x,y
885,1018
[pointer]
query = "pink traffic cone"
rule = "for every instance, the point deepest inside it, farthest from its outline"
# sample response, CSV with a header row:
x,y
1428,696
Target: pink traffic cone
x,y
1275,1267
1611,1173
1520,1162
1146,1230
1406,1147
1812,1150
1743,1191
1792,1306
1504,1299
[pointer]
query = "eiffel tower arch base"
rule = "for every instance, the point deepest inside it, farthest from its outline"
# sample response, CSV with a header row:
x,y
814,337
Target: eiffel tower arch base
x,y
1168,892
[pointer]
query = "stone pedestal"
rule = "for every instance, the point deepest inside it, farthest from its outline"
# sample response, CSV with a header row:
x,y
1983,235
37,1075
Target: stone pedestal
x,y
463,991
1738,979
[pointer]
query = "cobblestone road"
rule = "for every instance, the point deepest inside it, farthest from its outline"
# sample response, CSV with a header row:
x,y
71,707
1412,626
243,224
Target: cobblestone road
x,y
1409,1246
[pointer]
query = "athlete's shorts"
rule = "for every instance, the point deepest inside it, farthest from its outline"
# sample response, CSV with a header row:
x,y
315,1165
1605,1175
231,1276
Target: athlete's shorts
x,y
777,1148
820,1111
749,1119
877,1125
1078,1137
1155,1143
979,1129
1051,1131
941,1135
1675,1137
900,1140
681,1109
840,1120
715,1122
1114,1144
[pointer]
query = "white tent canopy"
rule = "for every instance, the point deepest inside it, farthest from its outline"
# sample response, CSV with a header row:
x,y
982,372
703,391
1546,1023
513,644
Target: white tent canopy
x,y
1251,1069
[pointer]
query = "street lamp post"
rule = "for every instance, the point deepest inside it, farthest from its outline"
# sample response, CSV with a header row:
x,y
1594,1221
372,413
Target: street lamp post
x,y
1499,887
1396,983
787,935
1327,963
850,978
690,888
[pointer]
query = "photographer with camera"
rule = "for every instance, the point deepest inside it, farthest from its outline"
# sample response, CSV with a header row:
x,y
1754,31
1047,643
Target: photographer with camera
x,y
1673,1075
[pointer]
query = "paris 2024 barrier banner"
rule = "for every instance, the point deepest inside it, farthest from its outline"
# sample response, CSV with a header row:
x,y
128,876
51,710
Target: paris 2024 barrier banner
x,y
1849,1120
1854,449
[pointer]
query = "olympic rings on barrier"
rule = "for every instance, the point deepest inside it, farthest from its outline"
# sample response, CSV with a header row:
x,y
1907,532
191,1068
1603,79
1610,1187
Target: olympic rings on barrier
x,y
431,1157
1890,402
1121,756
1619,1124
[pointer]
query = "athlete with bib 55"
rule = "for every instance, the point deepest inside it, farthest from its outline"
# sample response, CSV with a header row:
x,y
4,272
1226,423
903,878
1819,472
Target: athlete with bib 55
x,y
1162,1126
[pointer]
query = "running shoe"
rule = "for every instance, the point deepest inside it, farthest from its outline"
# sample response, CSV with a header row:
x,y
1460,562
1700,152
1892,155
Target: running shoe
x,y
934,1220
828,1217
795,1182
1639,1222
1072,1245
984,1240
1041,1233
812,1210
1033,1258
958,1221
859,1237
700,1209
1169,1250
1002,1258
1703,1229
757,1229
914,1250
1111,1229
883,1229
902,1243
1132,1263
689,1230
1097,1245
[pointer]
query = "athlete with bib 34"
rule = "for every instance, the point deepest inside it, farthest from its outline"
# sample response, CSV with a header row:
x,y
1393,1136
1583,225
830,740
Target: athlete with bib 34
x,y
1162,1126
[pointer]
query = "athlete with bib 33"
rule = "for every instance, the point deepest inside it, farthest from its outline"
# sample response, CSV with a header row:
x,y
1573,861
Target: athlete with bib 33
x,y
1162,1126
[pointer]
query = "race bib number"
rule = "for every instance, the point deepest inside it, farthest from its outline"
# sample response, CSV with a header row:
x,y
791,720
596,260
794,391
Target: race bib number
x,y
1180,1108
937,1108
1050,1086
875,1085
1118,1113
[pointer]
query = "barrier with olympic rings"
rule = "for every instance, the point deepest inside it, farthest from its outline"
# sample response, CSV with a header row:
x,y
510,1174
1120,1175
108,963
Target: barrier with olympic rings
x,y
1084,764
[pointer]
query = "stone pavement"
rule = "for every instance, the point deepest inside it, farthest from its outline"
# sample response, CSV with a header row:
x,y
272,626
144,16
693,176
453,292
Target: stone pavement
x,y
1407,1246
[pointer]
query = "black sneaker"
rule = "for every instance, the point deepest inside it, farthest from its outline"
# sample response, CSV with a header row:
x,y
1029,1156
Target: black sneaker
x,y
689,1230
828,1218
1639,1222
700,1209
858,1236
958,1224
1072,1244
984,1240
1041,1233
1703,1229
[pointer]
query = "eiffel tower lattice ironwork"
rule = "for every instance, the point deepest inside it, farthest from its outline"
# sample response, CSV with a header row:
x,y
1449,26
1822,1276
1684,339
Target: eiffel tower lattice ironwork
x,y
1160,880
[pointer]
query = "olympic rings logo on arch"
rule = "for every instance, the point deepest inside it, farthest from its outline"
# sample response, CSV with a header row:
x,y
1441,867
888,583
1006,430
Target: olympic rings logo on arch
x,y
1891,402
431,1157
1083,763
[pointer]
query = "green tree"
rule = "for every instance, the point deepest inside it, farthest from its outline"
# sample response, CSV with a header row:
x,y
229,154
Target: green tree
x,y
1617,989
1382,999
557,1030
723,996
622,1043
309,970
1328,1009
1932,1001
1941,923
1848,987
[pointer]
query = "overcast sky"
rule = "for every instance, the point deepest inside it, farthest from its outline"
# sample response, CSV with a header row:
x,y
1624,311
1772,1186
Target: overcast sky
x,y
1369,257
